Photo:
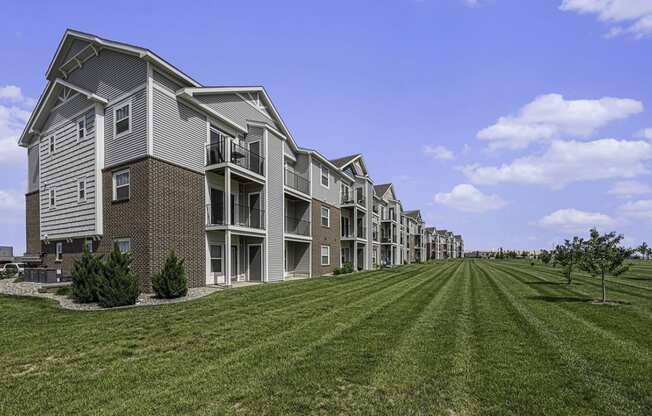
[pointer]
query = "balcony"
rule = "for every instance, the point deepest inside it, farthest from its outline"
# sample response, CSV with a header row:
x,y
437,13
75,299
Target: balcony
x,y
361,232
241,216
346,198
297,226
297,182
238,155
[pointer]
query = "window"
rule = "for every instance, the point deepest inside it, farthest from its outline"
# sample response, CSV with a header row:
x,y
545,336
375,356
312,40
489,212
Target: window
x,y
81,190
325,178
88,245
52,198
122,120
325,217
325,255
216,259
121,185
81,128
59,251
124,244
51,145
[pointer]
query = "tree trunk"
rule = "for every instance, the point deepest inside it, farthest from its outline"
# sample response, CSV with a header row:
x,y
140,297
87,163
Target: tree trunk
x,y
604,289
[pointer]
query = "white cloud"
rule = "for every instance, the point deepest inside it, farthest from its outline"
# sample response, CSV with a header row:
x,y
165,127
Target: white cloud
x,y
571,219
468,198
627,16
438,152
630,188
15,110
641,210
569,161
12,207
550,116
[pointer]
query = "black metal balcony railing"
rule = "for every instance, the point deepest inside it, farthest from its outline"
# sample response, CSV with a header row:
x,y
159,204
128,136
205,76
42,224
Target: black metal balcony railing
x,y
241,215
240,155
297,226
247,159
361,200
215,152
297,182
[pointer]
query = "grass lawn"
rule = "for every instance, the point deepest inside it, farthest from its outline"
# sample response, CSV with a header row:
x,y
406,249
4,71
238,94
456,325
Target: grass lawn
x,y
451,338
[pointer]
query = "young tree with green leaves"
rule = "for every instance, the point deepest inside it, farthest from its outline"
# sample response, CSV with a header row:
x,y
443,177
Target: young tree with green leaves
x,y
172,281
117,285
568,256
545,256
85,274
645,250
603,255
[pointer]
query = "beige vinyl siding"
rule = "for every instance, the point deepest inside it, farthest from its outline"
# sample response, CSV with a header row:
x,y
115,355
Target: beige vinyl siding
x,y
33,168
110,74
130,146
62,170
234,108
275,195
180,133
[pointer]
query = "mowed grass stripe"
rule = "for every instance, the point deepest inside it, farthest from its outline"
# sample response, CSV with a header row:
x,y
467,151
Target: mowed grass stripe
x,y
418,372
336,375
228,373
611,323
518,372
604,384
207,343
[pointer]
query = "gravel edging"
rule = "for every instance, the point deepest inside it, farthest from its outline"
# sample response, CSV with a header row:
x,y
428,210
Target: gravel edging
x,y
8,287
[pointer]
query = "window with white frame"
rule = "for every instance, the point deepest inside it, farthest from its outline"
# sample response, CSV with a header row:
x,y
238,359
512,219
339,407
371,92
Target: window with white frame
x,y
325,255
52,203
121,185
81,128
325,176
325,217
88,245
52,144
81,190
59,252
216,258
122,119
123,244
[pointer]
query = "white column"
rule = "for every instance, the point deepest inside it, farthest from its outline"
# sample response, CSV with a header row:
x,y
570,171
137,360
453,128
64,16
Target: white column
x,y
227,217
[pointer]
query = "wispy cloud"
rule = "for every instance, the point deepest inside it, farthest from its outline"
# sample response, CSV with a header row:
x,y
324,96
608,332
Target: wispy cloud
x,y
632,17
551,116
15,109
571,219
630,188
468,198
438,152
569,161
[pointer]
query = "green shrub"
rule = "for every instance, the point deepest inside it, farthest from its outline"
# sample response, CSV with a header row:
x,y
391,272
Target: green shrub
x,y
347,268
85,274
117,285
337,271
172,281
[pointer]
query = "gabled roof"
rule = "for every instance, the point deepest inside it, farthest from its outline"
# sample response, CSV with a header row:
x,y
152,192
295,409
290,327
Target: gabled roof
x,y
342,162
414,214
430,229
382,189
48,99
70,35
442,232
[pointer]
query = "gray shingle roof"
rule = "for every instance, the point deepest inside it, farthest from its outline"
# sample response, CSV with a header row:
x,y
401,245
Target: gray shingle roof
x,y
342,161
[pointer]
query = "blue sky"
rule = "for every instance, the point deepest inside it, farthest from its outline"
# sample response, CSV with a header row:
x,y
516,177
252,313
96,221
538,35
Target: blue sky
x,y
514,123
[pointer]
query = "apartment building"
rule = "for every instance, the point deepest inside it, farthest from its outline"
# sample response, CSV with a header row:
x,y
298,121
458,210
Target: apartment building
x,y
414,227
125,149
